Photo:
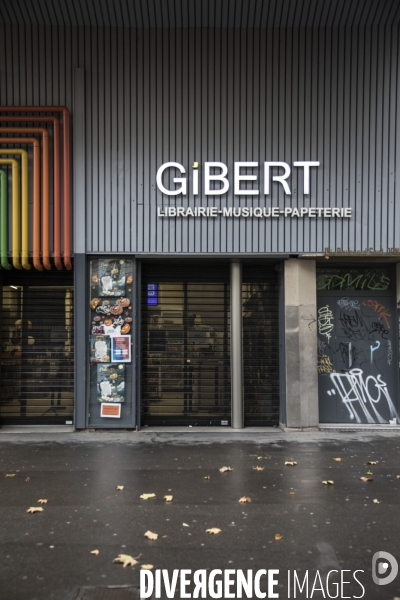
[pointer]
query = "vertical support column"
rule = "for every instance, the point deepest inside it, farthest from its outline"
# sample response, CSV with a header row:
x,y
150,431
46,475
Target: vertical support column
x,y
301,370
81,309
236,346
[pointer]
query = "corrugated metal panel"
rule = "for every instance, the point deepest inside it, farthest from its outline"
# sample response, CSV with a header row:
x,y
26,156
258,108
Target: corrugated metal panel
x,y
202,13
151,96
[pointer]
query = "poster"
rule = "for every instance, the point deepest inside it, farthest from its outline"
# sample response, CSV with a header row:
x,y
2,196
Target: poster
x,y
111,383
100,349
112,411
121,349
111,278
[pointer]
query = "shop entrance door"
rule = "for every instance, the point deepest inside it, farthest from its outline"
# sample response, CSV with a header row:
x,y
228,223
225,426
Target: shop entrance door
x,y
185,345
357,346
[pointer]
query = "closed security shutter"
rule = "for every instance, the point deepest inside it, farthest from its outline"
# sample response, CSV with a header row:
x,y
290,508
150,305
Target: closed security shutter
x,y
260,297
37,359
185,375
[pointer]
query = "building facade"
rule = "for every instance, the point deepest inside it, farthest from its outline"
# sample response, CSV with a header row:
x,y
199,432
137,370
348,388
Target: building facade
x,y
200,213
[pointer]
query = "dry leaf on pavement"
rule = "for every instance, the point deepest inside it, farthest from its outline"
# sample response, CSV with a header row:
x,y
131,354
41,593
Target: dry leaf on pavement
x,y
185,525
338,459
147,496
42,501
119,488
152,536
223,469
126,560
278,537
366,478
290,463
147,567
328,482
258,468
35,509
96,552
213,530
206,477
376,501
244,499
371,462
10,474
168,498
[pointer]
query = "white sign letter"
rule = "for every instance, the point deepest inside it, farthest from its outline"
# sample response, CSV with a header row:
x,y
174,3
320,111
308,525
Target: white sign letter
x,y
182,180
306,164
280,178
145,574
220,177
239,178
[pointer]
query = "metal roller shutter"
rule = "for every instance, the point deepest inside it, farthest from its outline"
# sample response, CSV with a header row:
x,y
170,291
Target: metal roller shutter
x,y
37,365
185,342
260,297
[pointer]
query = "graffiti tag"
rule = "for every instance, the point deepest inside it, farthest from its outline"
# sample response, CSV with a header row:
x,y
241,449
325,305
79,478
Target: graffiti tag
x,y
389,353
380,309
348,304
362,396
325,365
325,318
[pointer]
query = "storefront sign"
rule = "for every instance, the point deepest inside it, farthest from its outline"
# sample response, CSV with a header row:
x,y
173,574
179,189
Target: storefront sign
x,y
270,172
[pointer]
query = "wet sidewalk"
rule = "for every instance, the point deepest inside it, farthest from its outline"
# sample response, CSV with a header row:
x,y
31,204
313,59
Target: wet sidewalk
x,y
294,521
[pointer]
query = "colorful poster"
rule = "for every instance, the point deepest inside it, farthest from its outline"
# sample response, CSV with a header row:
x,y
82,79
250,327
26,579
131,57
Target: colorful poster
x,y
121,348
111,278
100,349
111,383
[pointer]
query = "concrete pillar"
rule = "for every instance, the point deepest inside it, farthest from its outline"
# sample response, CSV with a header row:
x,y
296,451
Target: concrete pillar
x,y
236,346
301,372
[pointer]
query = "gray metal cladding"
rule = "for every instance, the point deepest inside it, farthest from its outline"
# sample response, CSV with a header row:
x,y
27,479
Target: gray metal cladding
x,y
148,96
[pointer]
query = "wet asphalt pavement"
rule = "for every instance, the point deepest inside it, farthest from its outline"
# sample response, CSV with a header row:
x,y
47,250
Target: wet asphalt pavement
x,y
46,556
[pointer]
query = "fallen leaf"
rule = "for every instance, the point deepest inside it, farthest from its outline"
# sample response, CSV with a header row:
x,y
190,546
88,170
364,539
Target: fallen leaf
x,y
290,463
151,535
376,501
10,474
28,479
213,530
292,493
372,462
206,477
278,537
168,498
147,496
119,488
369,473
126,560
34,509
223,469
258,468
147,567
366,478
96,552
328,482
398,476
185,525
259,457
338,459
42,501
244,499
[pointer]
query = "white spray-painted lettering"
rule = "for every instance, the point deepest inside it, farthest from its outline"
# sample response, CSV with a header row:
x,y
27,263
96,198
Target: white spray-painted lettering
x,y
362,395
325,324
321,346
373,348
348,304
389,353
